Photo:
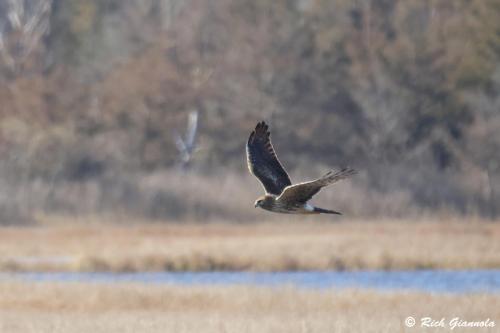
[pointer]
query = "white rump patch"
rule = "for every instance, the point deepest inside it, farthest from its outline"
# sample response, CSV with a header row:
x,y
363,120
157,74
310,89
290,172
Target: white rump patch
x,y
309,207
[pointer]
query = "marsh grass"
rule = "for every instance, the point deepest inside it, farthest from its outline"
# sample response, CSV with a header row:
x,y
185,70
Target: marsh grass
x,y
191,197
93,245
80,307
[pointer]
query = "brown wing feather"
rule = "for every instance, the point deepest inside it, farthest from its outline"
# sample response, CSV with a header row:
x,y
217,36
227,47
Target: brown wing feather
x,y
263,162
303,192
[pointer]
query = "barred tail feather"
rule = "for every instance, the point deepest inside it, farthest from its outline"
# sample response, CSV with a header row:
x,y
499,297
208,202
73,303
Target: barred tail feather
x,y
325,211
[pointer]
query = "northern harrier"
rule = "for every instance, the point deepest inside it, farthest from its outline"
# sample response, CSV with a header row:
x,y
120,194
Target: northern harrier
x,y
281,196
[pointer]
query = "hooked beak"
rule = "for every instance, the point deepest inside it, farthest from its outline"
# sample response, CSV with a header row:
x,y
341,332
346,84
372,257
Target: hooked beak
x,y
256,205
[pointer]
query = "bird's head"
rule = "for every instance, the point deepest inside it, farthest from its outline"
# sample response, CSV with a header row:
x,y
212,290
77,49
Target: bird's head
x,y
258,202
262,201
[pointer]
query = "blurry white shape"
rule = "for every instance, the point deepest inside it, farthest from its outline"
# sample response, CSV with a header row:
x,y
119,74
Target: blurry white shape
x,y
22,28
179,142
186,146
16,11
192,128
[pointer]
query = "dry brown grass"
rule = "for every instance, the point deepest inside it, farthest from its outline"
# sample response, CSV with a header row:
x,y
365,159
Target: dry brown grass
x,y
78,307
89,246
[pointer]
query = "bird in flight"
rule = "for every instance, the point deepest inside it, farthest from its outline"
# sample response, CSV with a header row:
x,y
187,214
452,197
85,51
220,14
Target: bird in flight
x,y
281,196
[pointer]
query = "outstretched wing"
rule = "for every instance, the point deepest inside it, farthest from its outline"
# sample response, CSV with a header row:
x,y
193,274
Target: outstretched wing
x,y
263,163
301,193
191,129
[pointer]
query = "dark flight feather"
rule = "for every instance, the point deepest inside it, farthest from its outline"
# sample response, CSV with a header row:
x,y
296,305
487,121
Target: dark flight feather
x,y
263,162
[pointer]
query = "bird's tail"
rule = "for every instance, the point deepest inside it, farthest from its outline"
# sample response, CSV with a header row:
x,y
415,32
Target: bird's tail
x,y
325,211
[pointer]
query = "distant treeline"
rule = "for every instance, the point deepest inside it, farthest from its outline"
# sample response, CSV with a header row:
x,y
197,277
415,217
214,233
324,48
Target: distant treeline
x,y
408,92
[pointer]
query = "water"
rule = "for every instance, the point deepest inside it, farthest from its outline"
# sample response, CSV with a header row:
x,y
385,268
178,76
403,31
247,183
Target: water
x,y
436,281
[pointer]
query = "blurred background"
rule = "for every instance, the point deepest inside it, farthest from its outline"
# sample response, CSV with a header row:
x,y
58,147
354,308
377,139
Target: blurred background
x,y
143,108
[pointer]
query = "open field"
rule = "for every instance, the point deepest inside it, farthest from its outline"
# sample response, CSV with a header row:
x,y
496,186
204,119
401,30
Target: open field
x,y
88,245
77,307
